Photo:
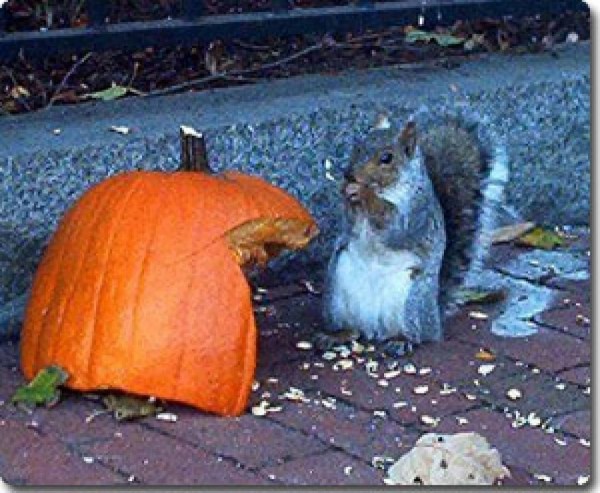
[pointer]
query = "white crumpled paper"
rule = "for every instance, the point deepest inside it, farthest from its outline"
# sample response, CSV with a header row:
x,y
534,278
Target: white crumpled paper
x,y
460,459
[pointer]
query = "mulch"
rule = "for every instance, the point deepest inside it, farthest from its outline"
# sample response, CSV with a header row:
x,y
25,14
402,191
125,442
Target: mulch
x,y
29,84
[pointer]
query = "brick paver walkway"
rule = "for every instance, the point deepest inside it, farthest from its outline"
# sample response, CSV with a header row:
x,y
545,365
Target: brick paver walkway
x,y
352,420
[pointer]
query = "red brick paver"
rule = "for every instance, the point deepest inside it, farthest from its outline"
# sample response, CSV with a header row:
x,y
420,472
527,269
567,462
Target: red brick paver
x,y
358,410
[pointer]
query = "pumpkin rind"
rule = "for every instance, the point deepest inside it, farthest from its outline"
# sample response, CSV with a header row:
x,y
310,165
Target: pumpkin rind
x,y
139,291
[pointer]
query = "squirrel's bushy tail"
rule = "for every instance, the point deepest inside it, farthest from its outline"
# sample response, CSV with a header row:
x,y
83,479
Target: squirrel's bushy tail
x,y
468,166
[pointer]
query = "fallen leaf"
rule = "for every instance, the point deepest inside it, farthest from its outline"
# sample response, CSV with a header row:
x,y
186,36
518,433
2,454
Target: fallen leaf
x,y
19,91
42,390
459,459
129,407
512,232
480,296
110,94
541,238
417,35
485,355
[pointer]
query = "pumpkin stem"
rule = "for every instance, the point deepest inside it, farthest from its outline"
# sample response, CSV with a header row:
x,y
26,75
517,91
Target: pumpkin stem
x,y
193,151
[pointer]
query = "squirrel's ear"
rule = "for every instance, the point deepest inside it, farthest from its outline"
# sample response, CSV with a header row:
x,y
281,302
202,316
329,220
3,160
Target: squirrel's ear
x,y
408,139
382,122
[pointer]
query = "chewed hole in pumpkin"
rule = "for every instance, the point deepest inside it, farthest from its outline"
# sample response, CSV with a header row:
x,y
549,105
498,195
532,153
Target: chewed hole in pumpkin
x,y
257,241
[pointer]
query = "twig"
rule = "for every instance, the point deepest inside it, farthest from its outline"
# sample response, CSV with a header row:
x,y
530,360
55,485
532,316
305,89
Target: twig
x,y
62,84
210,78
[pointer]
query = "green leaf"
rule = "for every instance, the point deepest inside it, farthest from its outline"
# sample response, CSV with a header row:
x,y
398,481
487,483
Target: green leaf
x,y
511,232
417,35
541,238
480,296
42,390
110,94
127,407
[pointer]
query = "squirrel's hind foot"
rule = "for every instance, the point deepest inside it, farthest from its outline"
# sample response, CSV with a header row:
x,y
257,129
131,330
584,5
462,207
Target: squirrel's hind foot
x,y
326,341
398,347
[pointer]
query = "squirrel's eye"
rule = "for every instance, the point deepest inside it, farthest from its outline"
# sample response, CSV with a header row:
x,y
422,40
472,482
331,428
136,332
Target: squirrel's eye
x,y
386,157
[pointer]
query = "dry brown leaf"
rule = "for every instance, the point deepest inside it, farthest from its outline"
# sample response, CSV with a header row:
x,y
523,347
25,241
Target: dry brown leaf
x,y
460,459
485,355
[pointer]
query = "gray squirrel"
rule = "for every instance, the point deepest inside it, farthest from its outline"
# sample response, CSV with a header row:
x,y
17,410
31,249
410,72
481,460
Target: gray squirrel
x,y
419,210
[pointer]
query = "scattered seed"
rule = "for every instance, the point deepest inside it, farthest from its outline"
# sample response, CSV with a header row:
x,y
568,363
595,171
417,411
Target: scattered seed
x,y
169,417
357,347
409,369
584,442
88,460
429,420
470,397
304,345
348,470
461,421
57,131
120,129
263,408
425,371
447,389
343,364
329,355
372,367
295,395
478,315
421,389
560,386
581,480
379,414
560,441
379,462
514,394
581,320
534,420
543,477
392,374
399,404
329,403
486,369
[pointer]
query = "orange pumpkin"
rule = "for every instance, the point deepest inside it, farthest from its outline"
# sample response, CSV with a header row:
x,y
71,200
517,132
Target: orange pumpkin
x,y
141,287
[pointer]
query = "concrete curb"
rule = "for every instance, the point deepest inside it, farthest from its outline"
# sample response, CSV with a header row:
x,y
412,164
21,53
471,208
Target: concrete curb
x,y
286,130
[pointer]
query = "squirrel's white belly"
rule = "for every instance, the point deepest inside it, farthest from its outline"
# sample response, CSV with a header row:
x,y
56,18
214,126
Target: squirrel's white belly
x,y
369,287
